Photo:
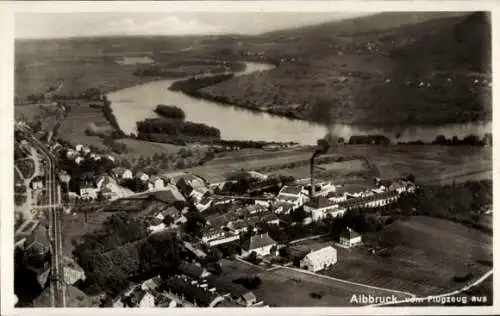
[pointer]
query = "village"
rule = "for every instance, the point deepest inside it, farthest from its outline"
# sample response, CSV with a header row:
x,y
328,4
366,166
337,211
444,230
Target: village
x,y
238,215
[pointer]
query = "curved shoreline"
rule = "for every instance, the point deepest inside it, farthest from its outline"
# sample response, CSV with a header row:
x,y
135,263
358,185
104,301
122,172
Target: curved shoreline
x,y
424,133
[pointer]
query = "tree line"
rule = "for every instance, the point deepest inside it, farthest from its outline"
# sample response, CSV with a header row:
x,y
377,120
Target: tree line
x,y
177,129
120,250
170,111
192,85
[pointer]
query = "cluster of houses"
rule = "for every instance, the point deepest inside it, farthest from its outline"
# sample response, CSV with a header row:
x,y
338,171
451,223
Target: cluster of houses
x,y
191,286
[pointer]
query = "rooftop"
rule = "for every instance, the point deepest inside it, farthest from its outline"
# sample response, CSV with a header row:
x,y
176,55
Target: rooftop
x,y
349,233
191,270
292,190
258,241
322,253
190,291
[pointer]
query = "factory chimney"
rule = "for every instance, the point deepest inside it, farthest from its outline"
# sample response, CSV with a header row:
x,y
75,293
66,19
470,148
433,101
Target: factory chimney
x,y
321,148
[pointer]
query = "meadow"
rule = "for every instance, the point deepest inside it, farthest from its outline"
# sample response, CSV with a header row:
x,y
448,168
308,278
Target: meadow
x,y
422,255
283,287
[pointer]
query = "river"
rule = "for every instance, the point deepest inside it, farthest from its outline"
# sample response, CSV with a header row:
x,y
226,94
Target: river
x,y
138,102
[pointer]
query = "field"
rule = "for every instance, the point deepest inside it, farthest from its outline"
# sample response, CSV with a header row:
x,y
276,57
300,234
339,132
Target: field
x,y
217,169
80,118
47,115
144,148
284,287
427,162
422,255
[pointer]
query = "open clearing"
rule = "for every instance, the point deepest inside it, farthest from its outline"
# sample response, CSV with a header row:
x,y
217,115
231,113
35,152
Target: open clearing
x,y
427,162
143,148
288,288
422,255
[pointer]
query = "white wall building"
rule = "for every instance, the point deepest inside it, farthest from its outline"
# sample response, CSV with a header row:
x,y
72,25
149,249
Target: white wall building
x,y
350,238
261,244
319,259
294,195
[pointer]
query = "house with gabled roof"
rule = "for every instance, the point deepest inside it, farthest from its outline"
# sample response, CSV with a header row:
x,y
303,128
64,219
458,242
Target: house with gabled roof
x,y
321,207
260,244
319,259
198,294
349,238
155,182
236,292
295,195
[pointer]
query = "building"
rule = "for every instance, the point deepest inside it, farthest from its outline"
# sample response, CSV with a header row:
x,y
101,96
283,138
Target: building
x,y
236,292
213,237
321,207
156,182
72,271
260,244
157,228
319,259
122,173
139,298
71,154
192,270
170,194
283,207
198,193
294,195
79,160
270,218
371,200
88,191
108,193
349,238
194,292
257,175
204,204
141,176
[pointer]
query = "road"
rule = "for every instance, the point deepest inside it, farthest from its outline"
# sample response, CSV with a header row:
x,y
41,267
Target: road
x,y
57,286
433,297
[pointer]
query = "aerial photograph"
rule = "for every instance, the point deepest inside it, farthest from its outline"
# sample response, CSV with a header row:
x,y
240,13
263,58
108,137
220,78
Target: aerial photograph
x,y
252,159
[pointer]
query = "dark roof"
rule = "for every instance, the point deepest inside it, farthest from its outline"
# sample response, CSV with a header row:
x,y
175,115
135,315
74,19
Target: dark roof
x,y
361,200
349,234
269,216
258,241
291,189
166,196
190,291
226,286
228,303
191,269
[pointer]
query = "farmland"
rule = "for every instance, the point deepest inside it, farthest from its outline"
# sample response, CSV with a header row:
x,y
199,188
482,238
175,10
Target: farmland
x,y
428,163
145,148
422,255
285,287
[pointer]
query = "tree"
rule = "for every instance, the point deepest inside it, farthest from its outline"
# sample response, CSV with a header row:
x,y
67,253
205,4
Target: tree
x,y
273,249
195,222
440,140
252,257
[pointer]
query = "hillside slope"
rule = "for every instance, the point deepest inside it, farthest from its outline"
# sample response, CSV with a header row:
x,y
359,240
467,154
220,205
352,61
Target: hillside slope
x,y
369,72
